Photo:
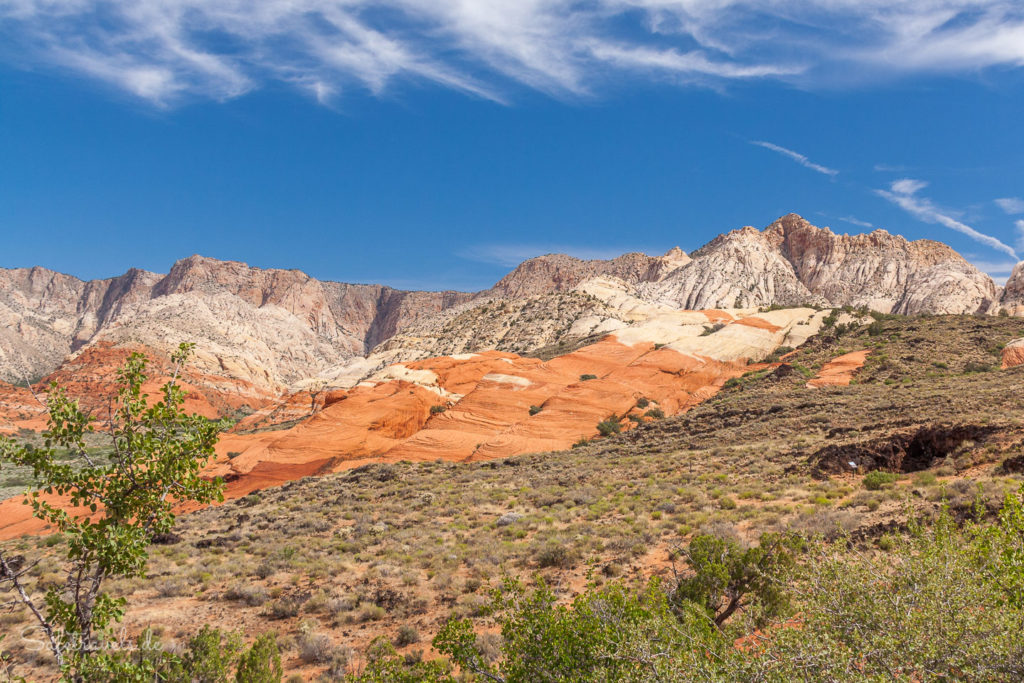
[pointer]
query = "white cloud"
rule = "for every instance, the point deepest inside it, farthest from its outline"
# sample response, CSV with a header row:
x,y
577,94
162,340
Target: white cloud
x,y
1011,205
993,268
797,157
908,186
903,193
511,255
852,220
164,49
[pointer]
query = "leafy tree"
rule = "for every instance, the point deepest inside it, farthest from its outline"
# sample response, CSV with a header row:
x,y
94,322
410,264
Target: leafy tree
x,y
262,663
726,577
385,665
607,634
108,509
999,550
211,655
939,606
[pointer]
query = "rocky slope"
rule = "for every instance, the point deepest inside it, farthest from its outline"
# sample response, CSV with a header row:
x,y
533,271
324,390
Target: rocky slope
x,y
44,315
277,331
1012,300
494,404
792,262
560,273
1013,354
266,326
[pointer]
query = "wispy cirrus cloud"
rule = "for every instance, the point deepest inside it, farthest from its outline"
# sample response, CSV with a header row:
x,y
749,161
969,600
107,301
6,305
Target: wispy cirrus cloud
x,y
852,220
797,157
161,50
904,194
1011,205
999,271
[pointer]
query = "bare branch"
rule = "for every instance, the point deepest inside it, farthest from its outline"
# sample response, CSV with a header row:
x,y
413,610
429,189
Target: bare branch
x,y
7,573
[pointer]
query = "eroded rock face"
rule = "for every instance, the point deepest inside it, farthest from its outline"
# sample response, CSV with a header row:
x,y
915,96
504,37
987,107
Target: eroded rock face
x,y
560,273
741,269
45,315
264,326
281,330
1012,300
494,404
793,262
839,371
1013,354
881,271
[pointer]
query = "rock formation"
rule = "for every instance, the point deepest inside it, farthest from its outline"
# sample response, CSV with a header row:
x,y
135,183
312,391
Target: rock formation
x,y
266,333
793,262
741,269
840,370
494,404
560,273
1012,300
1013,353
44,315
265,326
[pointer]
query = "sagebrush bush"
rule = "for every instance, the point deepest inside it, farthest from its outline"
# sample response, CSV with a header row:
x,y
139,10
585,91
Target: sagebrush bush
x,y
877,479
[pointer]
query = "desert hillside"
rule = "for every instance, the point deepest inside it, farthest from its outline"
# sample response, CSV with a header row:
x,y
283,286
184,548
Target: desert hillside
x,y
390,458
395,547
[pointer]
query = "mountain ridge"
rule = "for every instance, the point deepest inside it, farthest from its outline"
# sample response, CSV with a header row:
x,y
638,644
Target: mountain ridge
x,y
287,326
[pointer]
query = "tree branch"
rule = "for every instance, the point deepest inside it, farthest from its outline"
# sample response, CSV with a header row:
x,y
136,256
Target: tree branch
x,y
9,574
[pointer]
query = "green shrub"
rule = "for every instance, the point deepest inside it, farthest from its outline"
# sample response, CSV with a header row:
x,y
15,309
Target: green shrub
x,y
607,634
212,655
939,605
262,663
656,413
876,479
384,665
557,555
534,410
942,603
407,635
975,366
726,577
584,378
609,427
436,410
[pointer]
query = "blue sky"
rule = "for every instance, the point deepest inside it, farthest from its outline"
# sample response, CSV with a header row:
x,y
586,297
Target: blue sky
x,y
428,144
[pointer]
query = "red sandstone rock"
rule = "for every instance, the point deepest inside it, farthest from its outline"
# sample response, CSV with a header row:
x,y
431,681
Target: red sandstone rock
x,y
840,370
1013,354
